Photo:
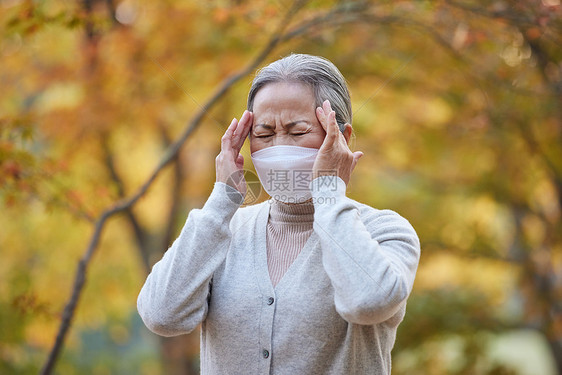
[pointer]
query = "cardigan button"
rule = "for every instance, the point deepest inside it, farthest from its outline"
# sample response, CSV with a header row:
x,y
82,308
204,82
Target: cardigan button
x,y
265,353
270,301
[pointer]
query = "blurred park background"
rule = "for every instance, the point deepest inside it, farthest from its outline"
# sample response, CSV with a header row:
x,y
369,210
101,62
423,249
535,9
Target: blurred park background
x,y
110,118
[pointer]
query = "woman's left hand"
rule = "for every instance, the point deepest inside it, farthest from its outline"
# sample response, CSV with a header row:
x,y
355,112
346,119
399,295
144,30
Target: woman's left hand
x,y
334,156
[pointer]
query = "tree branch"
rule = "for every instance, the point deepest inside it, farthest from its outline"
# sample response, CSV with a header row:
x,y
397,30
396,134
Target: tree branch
x,y
141,235
170,155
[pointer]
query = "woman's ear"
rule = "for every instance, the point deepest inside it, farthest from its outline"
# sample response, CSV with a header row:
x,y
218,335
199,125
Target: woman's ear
x,y
347,130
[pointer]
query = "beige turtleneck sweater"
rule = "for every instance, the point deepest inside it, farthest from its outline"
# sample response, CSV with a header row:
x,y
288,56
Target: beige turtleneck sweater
x,y
288,229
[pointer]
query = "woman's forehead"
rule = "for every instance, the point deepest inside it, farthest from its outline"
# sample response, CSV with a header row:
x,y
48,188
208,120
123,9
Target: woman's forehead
x,y
283,97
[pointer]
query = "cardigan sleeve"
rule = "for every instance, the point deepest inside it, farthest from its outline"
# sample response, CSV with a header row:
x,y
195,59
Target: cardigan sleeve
x,y
371,256
174,297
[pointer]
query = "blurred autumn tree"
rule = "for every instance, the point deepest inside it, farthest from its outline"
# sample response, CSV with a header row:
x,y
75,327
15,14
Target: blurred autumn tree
x,y
458,108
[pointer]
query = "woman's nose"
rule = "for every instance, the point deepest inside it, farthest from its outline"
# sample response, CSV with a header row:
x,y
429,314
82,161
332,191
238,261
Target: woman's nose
x,y
280,139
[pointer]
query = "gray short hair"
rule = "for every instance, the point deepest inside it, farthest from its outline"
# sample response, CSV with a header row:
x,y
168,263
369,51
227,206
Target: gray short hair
x,y
319,73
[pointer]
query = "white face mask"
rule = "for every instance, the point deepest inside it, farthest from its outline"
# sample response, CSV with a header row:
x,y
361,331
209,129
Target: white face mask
x,y
285,172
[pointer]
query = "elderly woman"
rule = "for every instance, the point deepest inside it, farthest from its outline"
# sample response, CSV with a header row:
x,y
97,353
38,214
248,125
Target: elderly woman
x,y
309,282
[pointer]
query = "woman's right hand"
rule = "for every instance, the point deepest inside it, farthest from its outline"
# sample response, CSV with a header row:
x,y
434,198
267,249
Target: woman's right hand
x,y
229,162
